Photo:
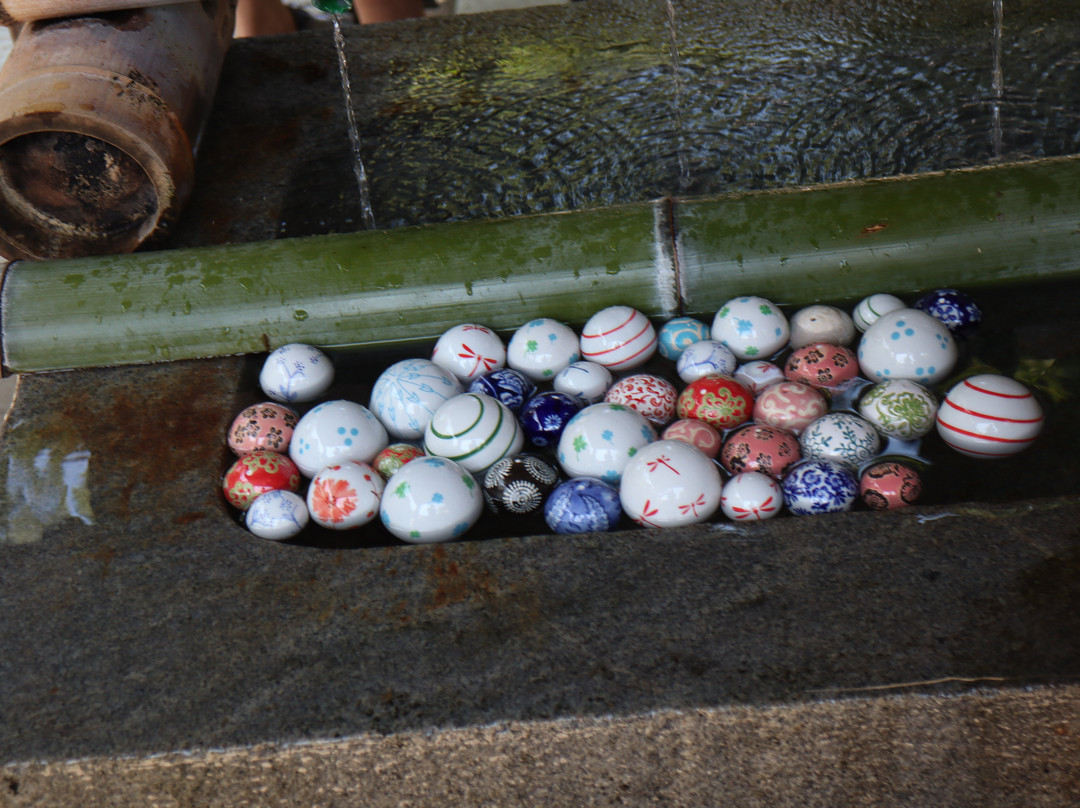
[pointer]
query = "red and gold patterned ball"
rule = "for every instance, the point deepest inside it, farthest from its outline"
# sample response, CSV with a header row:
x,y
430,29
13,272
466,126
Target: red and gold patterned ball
x,y
718,400
822,365
256,473
394,457
889,485
758,447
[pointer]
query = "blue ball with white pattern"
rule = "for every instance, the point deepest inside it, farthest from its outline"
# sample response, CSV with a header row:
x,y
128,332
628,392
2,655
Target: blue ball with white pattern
x,y
512,387
678,334
956,310
819,486
545,415
583,505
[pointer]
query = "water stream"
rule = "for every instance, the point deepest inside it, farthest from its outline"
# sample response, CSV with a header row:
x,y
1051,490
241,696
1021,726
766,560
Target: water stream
x,y
997,81
680,129
366,212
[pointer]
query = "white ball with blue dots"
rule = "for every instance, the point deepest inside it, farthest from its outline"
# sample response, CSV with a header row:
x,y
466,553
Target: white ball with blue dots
x,y
907,344
333,432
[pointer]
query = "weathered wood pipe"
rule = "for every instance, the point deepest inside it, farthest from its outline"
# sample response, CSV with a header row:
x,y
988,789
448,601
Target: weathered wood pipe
x,y
100,119
968,228
13,12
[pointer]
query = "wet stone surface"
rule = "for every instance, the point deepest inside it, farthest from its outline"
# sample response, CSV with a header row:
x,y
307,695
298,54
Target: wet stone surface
x,y
595,103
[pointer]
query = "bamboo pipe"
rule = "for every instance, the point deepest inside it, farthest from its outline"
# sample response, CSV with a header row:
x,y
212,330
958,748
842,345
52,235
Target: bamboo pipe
x,y
13,12
969,228
100,118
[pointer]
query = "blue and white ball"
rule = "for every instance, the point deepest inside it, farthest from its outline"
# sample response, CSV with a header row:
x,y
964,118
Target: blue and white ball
x,y
407,393
708,357
907,344
678,334
956,310
600,440
512,387
431,499
334,432
546,414
753,327
583,505
819,486
296,373
277,515
543,347
586,380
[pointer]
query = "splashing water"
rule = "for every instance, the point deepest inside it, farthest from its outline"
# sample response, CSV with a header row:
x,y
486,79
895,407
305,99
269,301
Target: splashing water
x,y
366,212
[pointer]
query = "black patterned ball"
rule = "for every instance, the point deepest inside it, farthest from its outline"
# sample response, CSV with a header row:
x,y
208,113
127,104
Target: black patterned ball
x,y
519,485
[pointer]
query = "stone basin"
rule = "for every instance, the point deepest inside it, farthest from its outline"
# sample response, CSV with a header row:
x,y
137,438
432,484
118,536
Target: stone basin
x,y
153,651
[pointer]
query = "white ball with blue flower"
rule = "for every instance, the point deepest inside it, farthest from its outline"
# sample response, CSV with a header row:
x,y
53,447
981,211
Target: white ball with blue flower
x,y
600,440
430,499
753,327
819,486
543,347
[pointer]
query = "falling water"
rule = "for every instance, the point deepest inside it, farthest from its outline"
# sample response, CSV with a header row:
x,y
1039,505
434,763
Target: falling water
x,y
997,81
680,133
366,211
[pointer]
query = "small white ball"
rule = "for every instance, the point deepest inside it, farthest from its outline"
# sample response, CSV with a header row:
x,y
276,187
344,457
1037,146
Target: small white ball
x,y
751,496
821,324
345,496
752,327
870,309
469,350
277,515
619,338
296,373
586,380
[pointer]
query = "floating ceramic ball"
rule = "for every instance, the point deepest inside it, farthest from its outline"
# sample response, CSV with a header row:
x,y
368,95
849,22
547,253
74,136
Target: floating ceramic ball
x,y
899,408
546,414
541,348
907,344
678,334
709,357
762,448
619,338
696,433
277,515
262,426
670,483
469,350
336,431
519,485
296,373
345,495
989,416
650,395
600,440
256,473
751,496
431,499
407,393
474,431
586,380
719,401
394,457
757,375
791,405
819,486
753,327
821,324
869,309
512,387
820,364
583,505
956,310
842,438
889,485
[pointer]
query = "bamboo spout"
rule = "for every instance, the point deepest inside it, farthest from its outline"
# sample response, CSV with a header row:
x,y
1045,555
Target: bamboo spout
x,y
13,12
